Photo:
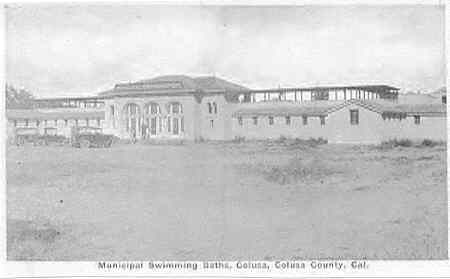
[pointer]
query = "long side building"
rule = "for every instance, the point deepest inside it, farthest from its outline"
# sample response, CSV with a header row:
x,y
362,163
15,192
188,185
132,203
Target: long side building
x,y
210,108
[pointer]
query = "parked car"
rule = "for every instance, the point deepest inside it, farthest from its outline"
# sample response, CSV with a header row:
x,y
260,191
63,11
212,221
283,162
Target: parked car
x,y
26,135
84,137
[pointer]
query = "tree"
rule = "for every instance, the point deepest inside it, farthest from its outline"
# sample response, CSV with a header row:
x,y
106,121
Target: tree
x,y
18,98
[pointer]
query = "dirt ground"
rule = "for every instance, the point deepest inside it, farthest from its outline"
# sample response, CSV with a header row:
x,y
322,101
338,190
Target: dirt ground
x,y
228,201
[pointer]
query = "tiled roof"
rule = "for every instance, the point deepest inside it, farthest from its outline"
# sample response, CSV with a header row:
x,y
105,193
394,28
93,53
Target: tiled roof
x,y
315,108
173,84
35,114
318,108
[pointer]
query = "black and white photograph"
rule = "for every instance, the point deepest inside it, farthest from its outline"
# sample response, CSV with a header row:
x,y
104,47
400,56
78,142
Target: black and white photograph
x,y
176,132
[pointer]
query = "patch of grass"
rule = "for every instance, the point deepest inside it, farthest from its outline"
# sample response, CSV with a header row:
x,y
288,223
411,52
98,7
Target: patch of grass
x,y
163,141
297,170
409,143
396,143
311,142
431,143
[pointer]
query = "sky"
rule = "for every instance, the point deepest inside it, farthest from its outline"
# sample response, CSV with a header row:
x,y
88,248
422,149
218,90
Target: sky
x,y
77,50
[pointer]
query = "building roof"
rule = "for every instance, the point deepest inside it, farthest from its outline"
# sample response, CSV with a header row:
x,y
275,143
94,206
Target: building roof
x,y
324,88
285,108
322,108
19,114
173,84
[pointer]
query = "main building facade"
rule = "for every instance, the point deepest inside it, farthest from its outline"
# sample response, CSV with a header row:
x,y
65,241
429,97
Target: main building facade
x,y
210,108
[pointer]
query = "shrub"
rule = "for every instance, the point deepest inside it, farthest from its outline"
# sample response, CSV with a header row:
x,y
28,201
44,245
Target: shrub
x,y
431,143
238,139
396,143
282,139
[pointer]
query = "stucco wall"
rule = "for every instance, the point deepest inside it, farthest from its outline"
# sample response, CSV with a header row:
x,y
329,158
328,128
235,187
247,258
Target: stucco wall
x,y
372,129
369,129
189,114
430,127
221,127
279,128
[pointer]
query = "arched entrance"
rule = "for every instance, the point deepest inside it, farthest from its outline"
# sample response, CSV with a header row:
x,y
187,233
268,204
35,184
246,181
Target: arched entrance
x,y
132,120
175,119
152,125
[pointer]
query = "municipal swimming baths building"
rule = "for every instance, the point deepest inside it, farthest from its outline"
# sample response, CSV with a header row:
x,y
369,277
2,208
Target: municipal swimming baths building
x,y
210,108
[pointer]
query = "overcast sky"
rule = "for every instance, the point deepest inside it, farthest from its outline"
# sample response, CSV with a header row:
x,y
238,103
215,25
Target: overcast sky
x,y
80,49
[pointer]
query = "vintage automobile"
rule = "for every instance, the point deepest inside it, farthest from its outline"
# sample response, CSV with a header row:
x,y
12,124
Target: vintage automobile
x,y
85,137
26,135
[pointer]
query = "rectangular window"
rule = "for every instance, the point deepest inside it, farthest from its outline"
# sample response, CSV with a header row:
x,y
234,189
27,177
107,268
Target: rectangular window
x,y
305,120
26,122
354,117
76,123
66,122
322,120
288,120
15,123
182,124
175,108
87,122
37,123
255,120
211,123
168,124
270,120
98,122
417,119
240,121
56,122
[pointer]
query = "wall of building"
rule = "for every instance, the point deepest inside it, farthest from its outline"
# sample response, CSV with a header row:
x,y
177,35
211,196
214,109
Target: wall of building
x,y
430,127
368,130
371,129
116,125
279,128
215,125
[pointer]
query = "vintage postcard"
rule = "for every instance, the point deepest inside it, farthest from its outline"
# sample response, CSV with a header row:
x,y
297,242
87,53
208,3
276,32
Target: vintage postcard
x,y
170,139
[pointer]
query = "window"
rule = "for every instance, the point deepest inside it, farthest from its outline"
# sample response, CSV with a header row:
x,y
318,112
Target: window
x,y
182,124
270,120
176,108
211,123
45,123
288,120
15,123
76,122
56,122
168,124
87,122
240,120
26,122
255,120
66,122
322,120
209,108
98,122
305,120
215,108
113,116
37,123
154,108
354,117
417,119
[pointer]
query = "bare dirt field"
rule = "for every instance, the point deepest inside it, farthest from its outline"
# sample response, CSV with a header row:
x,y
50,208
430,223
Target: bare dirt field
x,y
240,201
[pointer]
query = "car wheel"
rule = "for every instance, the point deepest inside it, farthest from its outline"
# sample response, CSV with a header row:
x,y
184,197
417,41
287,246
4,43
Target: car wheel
x,y
85,143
